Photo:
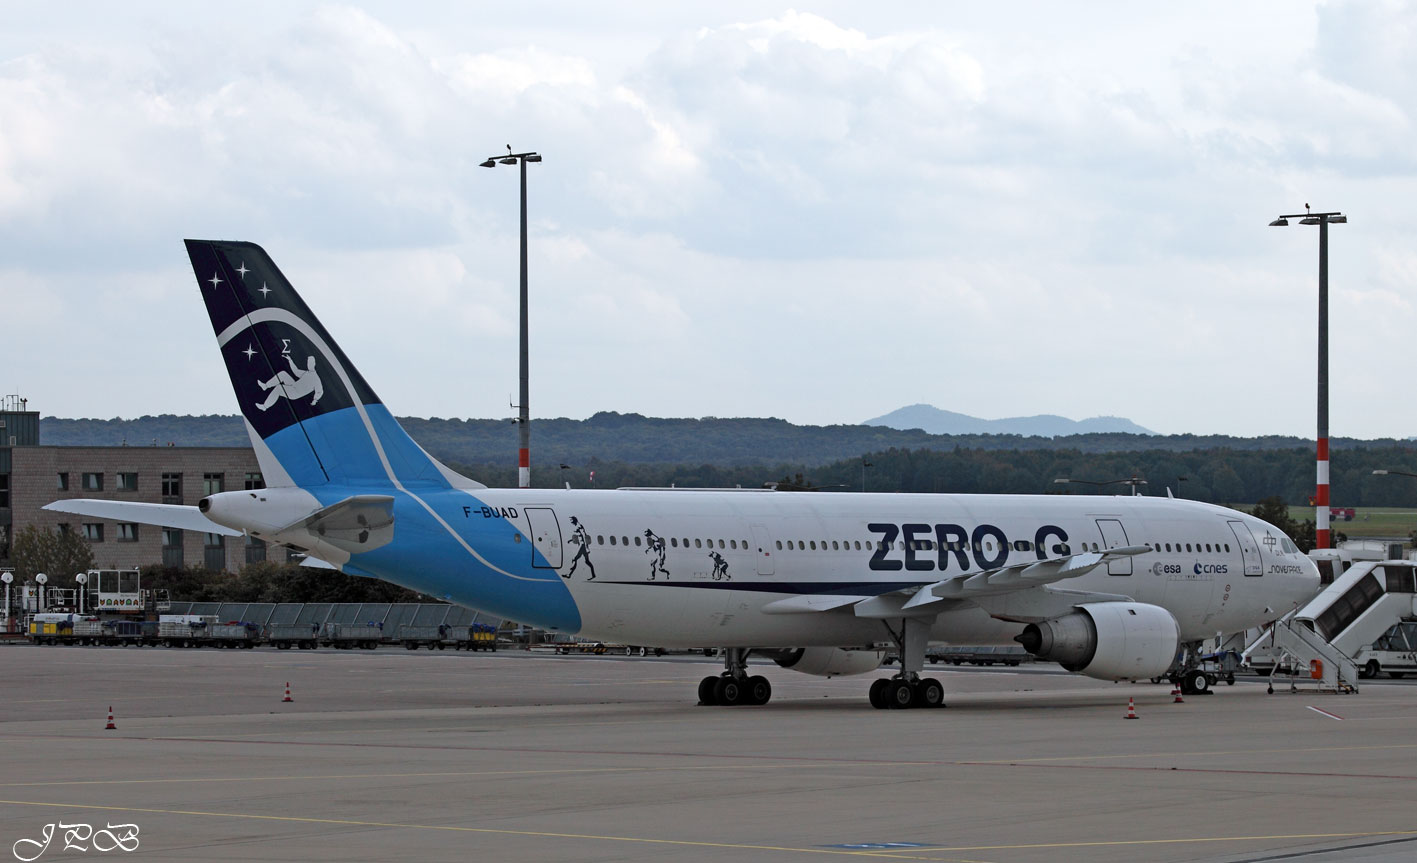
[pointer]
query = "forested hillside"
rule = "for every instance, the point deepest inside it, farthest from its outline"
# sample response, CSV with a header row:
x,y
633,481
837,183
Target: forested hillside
x,y
628,449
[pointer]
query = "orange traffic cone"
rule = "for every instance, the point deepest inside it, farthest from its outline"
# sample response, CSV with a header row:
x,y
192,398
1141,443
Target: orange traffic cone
x,y
1177,692
110,726
287,693
1131,709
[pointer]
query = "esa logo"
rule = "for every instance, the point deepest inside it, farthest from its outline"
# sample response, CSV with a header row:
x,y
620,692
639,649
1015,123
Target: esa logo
x,y
1211,569
1165,569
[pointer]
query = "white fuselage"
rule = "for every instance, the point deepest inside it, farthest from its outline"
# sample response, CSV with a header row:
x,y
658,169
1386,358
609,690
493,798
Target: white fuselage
x,y
696,568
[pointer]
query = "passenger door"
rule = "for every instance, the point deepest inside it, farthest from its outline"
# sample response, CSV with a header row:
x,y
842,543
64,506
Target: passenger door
x,y
763,542
1115,536
545,537
1249,549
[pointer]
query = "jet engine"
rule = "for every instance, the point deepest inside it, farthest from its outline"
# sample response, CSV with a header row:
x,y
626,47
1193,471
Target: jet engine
x,y
1108,640
828,661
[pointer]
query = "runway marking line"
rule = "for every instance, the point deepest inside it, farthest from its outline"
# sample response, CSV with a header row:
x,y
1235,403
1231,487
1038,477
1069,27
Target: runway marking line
x,y
727,845
444,774
1048,762
1323,712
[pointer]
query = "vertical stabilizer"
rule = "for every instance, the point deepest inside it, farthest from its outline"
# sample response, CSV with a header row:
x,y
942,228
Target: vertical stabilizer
x,y
312,418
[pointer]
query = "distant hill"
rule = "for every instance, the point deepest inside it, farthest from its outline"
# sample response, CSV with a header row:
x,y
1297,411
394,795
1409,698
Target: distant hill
x,y
635,439
937,421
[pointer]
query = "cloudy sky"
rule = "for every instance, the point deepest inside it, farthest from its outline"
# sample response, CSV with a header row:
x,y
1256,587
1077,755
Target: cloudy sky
x,y
820,212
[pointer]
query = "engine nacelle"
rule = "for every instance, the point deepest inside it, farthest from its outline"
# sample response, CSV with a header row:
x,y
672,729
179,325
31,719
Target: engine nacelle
x,y
829,661
1108,640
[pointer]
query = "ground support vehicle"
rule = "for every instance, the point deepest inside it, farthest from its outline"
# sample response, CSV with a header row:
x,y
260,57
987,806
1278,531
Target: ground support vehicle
x,y
1394,653
305,636
431,637
957,654
234,634
347,636
480,636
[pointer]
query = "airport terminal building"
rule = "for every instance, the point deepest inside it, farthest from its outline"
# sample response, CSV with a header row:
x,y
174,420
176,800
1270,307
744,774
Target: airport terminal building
x,y
33,475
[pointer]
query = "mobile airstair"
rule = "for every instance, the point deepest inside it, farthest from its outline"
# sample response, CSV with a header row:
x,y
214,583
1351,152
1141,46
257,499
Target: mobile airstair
x,y
1317,642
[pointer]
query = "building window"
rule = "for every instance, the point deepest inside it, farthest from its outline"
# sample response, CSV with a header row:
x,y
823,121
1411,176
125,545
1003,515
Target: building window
x,y
61,482
127,532
254,481
172,488
93,531
255,549
213,483
127,482
4,490
214,551
172,547
64,527
93,482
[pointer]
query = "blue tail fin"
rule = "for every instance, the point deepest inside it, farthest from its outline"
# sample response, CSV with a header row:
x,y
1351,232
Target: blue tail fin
x,y
312,418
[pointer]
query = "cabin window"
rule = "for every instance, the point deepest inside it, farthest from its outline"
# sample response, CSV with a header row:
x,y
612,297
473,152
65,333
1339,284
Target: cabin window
x,y
600,539
779,545
814,545
1227,548
637,542
624,540
612,539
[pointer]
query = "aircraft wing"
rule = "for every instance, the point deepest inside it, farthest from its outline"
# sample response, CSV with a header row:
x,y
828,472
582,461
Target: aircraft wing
x,y
1010,591
160,514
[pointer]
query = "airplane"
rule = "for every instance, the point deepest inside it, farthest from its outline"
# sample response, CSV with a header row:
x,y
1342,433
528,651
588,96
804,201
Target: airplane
x,y
1116,588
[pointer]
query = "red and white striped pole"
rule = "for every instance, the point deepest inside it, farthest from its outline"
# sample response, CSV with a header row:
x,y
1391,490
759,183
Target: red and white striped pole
x,y
1321,502
1321,498
1321,505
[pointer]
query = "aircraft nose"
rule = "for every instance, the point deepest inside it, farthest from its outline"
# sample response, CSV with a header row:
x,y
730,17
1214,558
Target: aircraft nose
x,y
1307,584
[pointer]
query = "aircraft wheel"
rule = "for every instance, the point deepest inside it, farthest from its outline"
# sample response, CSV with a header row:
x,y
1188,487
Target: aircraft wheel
x,y
759,690
729,691
900,694
877,693
1195,682
707,686
929,693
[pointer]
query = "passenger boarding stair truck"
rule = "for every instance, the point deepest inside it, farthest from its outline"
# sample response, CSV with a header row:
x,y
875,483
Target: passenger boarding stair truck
x,y
1323,636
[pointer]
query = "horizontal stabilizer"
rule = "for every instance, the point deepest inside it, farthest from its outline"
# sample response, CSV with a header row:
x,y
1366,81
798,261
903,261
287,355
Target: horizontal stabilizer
x,y
160,514
360,523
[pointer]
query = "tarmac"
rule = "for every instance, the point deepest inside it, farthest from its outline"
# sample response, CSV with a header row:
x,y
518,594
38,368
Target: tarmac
x,y
427,756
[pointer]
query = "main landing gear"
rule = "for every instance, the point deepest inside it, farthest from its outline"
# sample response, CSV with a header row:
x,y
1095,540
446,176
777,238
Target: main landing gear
x,y
734,686
908,688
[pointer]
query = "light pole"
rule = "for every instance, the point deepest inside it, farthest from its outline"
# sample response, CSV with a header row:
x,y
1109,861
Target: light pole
x,y
864,464
1179,480
1132,481
523,397
1323,220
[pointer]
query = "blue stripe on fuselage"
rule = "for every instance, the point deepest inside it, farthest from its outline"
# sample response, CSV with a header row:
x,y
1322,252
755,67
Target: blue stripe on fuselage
x,y
424,555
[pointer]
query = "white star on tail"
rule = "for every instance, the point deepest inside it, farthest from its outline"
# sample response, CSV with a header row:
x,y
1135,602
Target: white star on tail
x,y
215,280
249,353
264,290
242,269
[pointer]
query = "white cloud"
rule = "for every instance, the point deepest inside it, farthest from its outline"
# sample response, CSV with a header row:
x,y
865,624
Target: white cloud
x,y
819,214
